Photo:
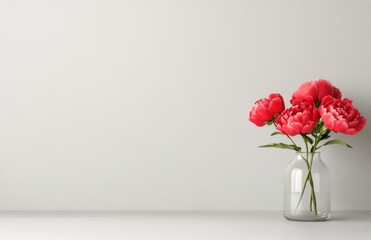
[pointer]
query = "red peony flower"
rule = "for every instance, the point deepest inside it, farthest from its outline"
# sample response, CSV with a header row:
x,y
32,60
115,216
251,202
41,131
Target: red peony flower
x,y
336,93
305,89
265,109
324,88
300,118
317,90
340,116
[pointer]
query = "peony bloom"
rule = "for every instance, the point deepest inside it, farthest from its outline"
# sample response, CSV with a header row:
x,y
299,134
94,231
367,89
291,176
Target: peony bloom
x,y
300,118
317,90
340,116
324,88
265,109
306,89
336,93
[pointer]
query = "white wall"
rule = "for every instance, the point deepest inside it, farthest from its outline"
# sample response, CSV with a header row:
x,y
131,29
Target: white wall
x,y
142,105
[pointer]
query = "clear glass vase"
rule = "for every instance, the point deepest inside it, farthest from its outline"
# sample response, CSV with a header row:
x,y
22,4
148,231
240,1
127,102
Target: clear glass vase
x,y
307,189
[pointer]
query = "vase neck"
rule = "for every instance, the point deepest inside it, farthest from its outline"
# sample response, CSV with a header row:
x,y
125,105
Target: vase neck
x,y
301,155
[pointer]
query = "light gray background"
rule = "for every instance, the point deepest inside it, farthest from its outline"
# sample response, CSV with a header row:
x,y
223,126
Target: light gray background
x,y
142,105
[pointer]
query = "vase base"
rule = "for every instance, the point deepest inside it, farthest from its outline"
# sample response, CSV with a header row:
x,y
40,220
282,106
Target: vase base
x,y
306,216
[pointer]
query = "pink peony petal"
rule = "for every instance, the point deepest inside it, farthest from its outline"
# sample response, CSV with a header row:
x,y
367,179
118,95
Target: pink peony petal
x,y
291,130
328,120
340,126
276,106
362,124
265,109
256,121
325,88
307,88
336,93
341,116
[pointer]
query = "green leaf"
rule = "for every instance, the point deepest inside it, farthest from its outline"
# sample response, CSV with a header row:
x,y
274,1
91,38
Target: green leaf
x,y
277,133
270,122
324,129
326,136
308,139
317,128
282,145
336,141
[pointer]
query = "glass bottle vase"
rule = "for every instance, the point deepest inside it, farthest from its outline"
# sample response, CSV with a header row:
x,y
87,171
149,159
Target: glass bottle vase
x,y
307,189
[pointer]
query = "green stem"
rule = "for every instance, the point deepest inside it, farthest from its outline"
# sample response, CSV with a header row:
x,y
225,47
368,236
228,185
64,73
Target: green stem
x,y
313,151
308,177
313,195
296,146
313,201
303,188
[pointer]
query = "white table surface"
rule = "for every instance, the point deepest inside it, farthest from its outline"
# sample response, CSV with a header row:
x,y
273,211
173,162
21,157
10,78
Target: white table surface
x,y
179,225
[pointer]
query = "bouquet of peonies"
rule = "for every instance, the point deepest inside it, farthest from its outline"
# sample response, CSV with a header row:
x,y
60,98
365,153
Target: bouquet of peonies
x,y
317,109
